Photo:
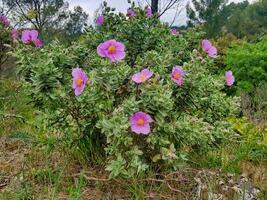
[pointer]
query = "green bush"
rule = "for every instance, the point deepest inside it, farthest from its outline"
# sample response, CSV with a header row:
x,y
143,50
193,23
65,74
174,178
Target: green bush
x,y
96,125
223,43
249,64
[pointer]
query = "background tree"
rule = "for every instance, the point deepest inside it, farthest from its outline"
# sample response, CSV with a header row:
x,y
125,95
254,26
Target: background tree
x,y
38,13
70,27
75,23
155,6
249,20
52,19
4,8
241,19
160,6
206,12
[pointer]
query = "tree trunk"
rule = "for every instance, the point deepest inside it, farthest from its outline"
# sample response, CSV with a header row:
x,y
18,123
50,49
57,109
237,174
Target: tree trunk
x,y
155,6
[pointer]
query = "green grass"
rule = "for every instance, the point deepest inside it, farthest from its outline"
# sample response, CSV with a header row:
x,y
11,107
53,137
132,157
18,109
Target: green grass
x,y
16,114
251,145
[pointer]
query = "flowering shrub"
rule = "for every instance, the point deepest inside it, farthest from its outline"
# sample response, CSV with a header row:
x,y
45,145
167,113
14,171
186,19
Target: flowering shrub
x,y
138,108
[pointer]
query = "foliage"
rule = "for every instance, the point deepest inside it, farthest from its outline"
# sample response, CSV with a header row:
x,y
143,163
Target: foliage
x,y
223,43
253,142
76,22
207,12
5,43
254,105
16,115
249,21
248,62
240,19
249,145
190,118
38,13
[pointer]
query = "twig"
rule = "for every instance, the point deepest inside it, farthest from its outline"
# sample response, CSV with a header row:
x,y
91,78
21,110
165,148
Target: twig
x,y
3,185
176,190
95,179
12,115
153,179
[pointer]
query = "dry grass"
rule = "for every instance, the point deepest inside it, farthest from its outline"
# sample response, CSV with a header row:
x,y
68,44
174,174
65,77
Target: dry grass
x,y
50,176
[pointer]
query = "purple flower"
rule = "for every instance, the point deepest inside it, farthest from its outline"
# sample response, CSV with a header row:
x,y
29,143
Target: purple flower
x,y
174,32
209,49
100,20
4,20
229,78
38,43
140,123
14,34
31,36
152,195
130,12
148,12
142,76
177,75
79,80
112,50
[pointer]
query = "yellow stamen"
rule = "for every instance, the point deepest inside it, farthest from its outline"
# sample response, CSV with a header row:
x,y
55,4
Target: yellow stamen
x,y
143,77
140,122
112,49
176,75
79,82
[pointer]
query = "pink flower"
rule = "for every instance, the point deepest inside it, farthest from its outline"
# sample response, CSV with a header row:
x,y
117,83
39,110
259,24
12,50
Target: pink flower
x,y
38,43
148,12
140,123
177,75
229,78
31,36
174,32
79,80
151,195
100,20
130,12
14,34
112,50
4,20
142,76
209,49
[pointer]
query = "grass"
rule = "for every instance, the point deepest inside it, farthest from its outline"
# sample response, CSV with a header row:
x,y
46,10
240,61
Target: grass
x,y
34,165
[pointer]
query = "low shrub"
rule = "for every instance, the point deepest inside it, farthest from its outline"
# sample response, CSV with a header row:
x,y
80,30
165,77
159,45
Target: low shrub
x,y
248,62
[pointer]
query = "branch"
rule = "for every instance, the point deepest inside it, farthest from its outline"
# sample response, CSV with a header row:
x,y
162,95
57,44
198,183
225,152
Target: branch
x,y
177,13
9,9
170,4
22,12
148,3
